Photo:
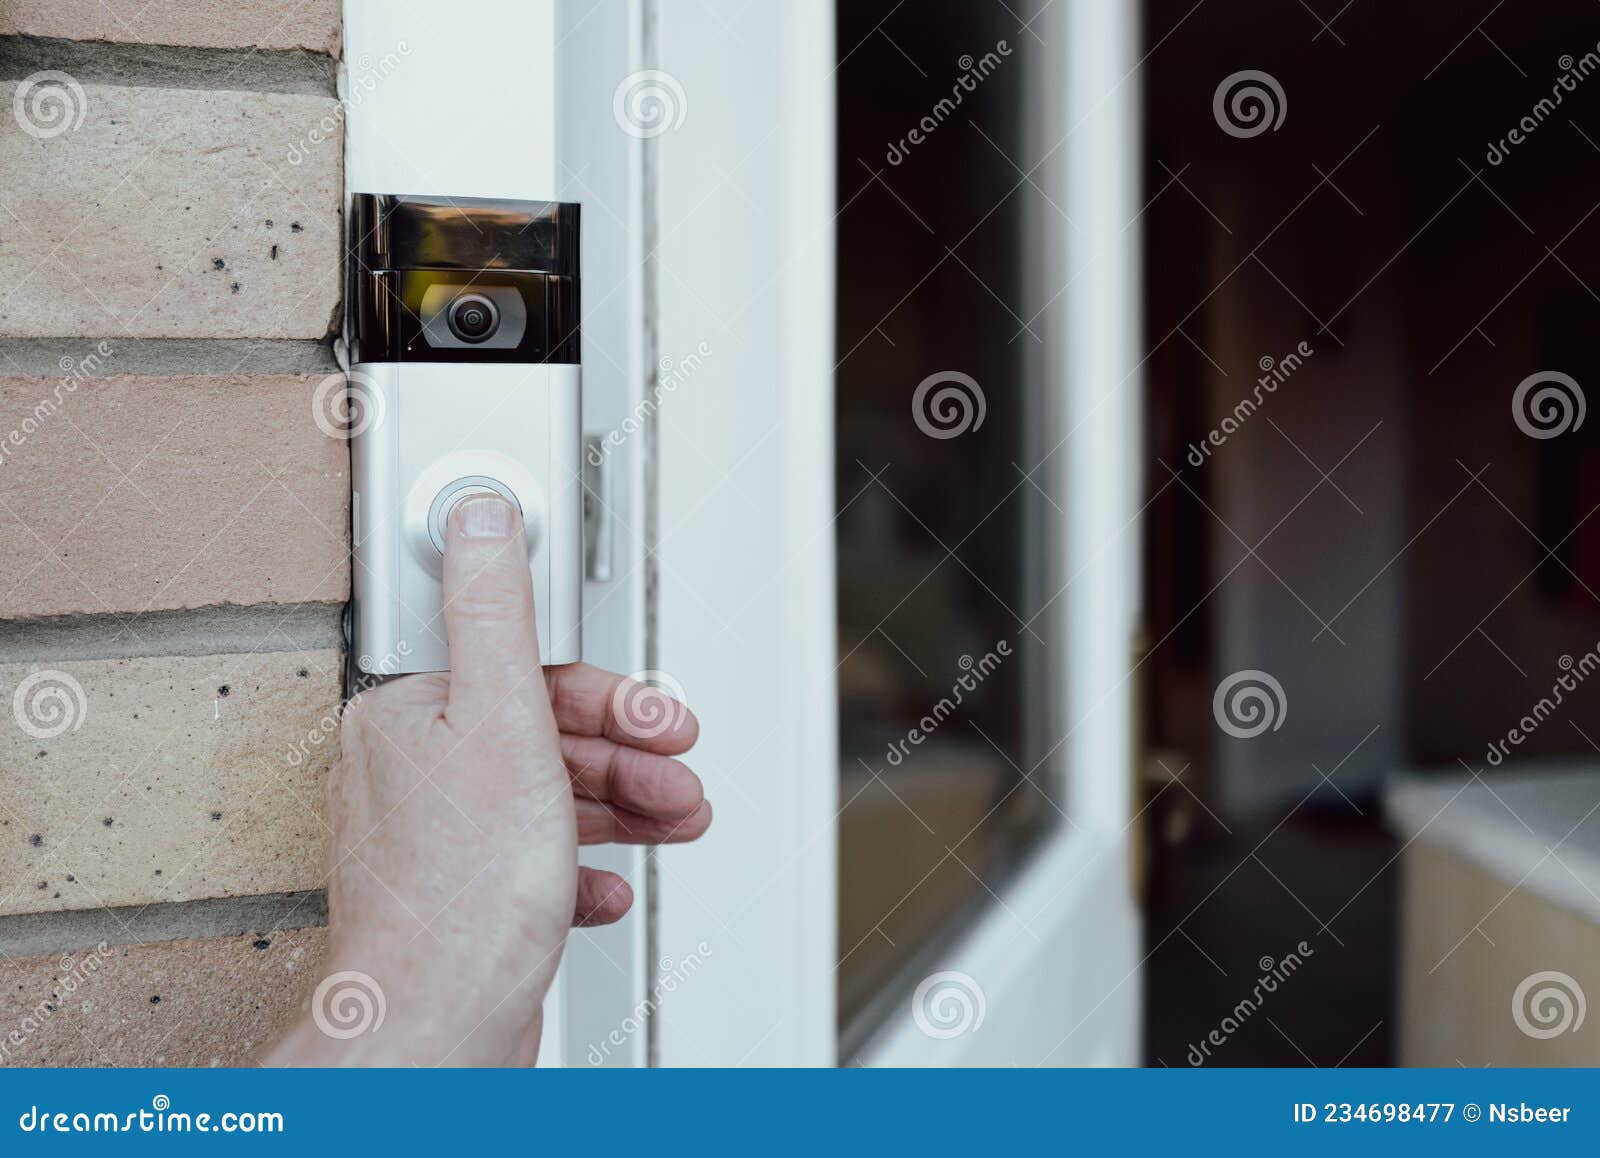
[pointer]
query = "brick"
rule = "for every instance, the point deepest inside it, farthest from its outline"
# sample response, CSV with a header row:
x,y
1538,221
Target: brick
x,y
221,1002
143,493
179,777
173,213
308,24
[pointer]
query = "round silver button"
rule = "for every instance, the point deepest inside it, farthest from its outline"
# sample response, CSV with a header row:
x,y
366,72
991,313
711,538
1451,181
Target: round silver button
x,y
454,492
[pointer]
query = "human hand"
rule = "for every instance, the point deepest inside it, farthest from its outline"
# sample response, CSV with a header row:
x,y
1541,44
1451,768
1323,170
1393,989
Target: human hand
x,y
458,805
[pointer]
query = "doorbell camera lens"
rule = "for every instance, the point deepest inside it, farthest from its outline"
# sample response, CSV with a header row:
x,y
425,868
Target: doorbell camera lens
x,y
480,322
473,317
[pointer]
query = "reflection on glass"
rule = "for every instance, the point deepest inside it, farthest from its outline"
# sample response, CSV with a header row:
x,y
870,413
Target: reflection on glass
x,y
943,585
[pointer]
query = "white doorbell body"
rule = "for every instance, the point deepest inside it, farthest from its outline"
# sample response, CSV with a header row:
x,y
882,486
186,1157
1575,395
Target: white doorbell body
x,y
464,379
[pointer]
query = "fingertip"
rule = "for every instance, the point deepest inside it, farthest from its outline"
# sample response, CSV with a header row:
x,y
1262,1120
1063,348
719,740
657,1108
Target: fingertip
x,y
694,826
682,788
684,729
603,898
651,719
619,900
686,734
482,516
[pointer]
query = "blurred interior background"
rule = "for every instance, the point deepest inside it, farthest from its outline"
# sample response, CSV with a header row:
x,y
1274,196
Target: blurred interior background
x,y
1379,532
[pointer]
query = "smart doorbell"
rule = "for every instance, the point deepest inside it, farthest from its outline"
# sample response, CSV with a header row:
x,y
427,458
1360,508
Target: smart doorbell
x,y
464,379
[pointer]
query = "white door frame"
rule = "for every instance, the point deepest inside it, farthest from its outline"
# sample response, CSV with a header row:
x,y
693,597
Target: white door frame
x,y
744,620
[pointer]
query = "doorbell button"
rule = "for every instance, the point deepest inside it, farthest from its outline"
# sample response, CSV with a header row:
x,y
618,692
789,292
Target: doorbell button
x,y
449,480
462,488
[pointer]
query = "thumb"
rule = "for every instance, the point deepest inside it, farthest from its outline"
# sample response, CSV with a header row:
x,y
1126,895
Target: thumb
x,y
488,611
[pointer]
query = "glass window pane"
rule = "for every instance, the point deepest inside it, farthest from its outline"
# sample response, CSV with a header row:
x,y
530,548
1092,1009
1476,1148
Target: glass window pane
x,y
943,581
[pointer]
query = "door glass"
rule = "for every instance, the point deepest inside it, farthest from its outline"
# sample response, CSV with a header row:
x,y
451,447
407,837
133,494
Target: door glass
x,y
946,594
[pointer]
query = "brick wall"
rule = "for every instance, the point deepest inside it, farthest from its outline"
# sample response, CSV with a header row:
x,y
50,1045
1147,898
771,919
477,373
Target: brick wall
x,y
173,522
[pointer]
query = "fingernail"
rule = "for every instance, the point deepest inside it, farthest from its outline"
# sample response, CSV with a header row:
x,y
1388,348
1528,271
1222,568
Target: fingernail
x,y
484,517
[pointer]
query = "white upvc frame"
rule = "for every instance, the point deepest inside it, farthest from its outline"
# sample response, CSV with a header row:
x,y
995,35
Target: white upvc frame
x,y
744,617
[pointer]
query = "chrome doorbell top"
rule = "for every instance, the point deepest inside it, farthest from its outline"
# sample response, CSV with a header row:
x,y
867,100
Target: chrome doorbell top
x,y
442,279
